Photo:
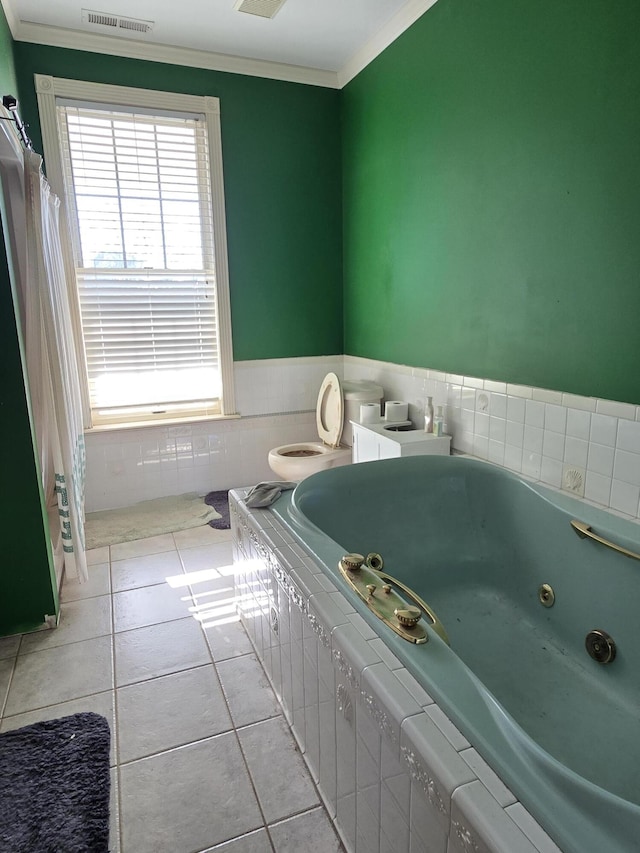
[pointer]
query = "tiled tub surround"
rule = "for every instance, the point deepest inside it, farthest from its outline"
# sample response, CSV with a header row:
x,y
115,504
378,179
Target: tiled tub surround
x,y
586,446
477,543
395,774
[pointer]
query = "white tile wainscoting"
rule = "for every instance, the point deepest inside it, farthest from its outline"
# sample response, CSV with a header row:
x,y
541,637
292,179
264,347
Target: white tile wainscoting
x,y
395,775
128,466
587,446
584,445
276,399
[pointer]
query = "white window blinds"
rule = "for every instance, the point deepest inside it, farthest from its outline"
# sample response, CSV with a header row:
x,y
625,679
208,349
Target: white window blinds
x,y
140,211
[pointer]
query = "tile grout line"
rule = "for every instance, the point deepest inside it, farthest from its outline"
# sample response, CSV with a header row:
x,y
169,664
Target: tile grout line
x,y
69,642
116,734
10,682
52,704
235,732
141,627
158,677
321,801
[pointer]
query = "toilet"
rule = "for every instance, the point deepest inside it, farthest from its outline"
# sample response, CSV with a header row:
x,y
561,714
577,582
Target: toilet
x,y
337,406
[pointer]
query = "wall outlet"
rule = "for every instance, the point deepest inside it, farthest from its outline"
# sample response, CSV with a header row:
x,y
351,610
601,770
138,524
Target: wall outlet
x,y
573,480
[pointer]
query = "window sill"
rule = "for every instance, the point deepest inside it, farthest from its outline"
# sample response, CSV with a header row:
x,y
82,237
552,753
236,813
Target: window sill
x,y
168,422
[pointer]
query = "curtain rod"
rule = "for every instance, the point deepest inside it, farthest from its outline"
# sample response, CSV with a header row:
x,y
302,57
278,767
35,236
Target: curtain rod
x,y
11,104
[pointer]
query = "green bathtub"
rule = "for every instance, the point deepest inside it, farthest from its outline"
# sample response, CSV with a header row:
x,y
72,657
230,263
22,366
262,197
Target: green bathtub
x,y
477,543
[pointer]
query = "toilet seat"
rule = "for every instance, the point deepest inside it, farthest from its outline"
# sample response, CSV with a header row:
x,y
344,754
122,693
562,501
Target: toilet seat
x,y
330,411
290,464
299,460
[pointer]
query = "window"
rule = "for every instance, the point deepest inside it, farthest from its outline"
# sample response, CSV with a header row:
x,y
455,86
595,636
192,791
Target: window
x,y
142,179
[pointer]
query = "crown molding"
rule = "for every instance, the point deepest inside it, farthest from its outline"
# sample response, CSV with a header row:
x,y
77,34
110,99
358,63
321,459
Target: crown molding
x,y
133,49
401,21
10,15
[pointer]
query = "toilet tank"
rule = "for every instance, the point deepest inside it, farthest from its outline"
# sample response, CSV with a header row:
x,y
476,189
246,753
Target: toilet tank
x,y
355,392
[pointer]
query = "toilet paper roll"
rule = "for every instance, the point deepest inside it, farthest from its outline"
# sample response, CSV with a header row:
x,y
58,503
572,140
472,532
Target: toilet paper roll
x,y
396,410
369,413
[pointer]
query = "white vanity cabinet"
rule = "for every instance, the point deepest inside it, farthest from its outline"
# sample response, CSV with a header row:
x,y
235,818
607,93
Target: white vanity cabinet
x,y
375,441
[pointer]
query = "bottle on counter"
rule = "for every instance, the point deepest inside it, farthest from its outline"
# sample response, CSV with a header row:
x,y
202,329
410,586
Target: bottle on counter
x,y
438,422
428,415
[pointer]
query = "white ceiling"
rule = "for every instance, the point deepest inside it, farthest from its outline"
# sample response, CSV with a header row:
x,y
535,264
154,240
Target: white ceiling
x,y
324,35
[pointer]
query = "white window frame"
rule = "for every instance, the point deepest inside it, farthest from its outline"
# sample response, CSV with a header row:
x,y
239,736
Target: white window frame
x,y
48,89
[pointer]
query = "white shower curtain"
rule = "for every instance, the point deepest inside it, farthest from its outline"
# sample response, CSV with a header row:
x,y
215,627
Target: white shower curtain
x,y
52,366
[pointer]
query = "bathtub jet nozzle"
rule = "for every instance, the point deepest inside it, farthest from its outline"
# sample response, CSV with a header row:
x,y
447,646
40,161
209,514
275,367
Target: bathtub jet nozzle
x,y
601,646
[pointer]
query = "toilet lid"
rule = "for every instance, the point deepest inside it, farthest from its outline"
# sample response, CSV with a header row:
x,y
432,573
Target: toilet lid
x,y
330,410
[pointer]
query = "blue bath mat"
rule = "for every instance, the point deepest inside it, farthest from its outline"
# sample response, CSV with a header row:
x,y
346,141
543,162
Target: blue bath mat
x,y
220,502
54,786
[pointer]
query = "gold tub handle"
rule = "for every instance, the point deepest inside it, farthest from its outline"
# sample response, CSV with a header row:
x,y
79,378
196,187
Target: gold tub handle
x,y
384,601
583,530
436,624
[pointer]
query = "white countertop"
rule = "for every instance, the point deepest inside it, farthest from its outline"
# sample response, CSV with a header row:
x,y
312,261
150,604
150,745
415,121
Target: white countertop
x,y
402,437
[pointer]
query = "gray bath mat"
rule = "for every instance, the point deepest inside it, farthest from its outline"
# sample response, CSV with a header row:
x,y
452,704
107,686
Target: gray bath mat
x,y
54,786
148,518
220,502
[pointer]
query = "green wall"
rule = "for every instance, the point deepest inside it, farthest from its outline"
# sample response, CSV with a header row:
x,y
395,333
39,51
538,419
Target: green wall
x,y
27,588
8,81
492,196
489,179
281,150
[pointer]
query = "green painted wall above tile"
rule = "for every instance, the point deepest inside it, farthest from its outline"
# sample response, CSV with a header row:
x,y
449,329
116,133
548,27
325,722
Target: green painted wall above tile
x,y
8,80
281,151
492,196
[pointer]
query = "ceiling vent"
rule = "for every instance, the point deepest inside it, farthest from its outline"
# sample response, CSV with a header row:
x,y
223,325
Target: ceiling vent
x,y
261,8
116,22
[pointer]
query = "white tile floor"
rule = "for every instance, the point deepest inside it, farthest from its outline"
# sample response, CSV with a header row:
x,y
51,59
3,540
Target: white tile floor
x,y
202,758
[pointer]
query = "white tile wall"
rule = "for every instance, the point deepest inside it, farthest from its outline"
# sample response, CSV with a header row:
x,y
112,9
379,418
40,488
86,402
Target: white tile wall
x,y
278,385
276,399
590,447
587,446
128,466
